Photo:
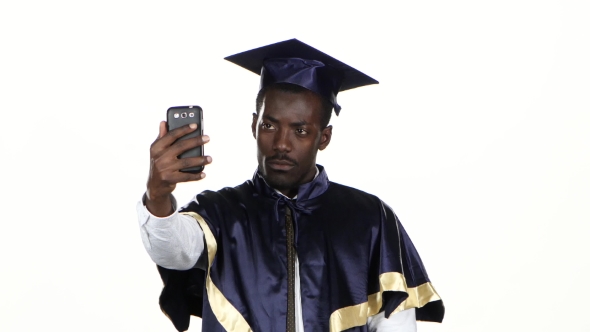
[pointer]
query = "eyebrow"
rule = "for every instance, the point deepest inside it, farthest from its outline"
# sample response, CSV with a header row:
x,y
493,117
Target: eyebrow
x,y
292,124
270,118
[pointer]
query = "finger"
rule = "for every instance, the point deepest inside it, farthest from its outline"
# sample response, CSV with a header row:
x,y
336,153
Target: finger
x,y
186,144
190,162
181,131
177,133
179,177
168,139
170,163
155,148
163,129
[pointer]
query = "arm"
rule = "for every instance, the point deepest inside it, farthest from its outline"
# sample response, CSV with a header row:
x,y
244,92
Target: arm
x,y
403,321
165,167
174,242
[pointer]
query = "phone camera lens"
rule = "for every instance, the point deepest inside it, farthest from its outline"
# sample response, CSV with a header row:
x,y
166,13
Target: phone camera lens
x,y
176,115
183,115
191,115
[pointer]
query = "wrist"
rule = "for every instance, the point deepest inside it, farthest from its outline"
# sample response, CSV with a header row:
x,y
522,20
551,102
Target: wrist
x,y
159,206
156,195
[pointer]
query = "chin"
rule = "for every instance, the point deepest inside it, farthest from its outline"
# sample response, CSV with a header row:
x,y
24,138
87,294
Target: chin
x,y
279,181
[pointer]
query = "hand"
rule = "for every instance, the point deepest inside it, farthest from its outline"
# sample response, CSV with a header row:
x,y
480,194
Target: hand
x,y
165,166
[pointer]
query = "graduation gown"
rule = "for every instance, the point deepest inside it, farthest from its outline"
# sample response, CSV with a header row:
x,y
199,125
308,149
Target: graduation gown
x,y
355,260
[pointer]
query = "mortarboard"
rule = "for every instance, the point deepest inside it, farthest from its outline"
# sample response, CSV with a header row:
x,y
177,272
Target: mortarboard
x,y
292,61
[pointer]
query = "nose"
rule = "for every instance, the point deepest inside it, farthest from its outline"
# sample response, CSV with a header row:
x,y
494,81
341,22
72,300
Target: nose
x,y
282,141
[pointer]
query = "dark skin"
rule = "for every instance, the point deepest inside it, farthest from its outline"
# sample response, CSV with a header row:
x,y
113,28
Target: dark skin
x,y
288,134
165,167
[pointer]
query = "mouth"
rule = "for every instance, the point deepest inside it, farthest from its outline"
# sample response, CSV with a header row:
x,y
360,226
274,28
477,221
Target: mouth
x,y
280,165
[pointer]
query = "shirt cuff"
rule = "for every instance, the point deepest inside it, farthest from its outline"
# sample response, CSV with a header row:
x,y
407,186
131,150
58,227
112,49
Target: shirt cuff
x,y
403,321
144,214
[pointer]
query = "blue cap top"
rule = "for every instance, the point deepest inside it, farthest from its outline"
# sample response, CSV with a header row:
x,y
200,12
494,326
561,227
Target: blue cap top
x,y
294,62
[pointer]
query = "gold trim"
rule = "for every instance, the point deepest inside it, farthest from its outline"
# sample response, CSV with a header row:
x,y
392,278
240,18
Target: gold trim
x,y
419,296
228,316
357,315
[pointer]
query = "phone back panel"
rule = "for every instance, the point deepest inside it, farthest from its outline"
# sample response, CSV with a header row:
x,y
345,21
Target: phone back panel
x,y
179,116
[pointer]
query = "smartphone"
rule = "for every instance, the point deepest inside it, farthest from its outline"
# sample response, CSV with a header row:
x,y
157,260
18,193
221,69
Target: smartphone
x,y
179,116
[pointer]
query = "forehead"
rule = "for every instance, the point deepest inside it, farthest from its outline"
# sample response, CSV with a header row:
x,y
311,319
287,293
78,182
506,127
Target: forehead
x,y
300,106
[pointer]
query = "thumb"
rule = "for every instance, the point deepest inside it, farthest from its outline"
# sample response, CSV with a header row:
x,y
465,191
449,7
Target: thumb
x,y
163,130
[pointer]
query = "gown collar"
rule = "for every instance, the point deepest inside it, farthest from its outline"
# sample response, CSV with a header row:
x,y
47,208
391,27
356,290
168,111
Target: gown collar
x,y
306,191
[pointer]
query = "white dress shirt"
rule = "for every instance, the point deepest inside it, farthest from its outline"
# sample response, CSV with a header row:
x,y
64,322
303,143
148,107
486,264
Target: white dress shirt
x,y
176,242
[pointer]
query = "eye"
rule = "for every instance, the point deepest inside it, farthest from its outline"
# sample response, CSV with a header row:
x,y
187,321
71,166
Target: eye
x,y
301,131
266,126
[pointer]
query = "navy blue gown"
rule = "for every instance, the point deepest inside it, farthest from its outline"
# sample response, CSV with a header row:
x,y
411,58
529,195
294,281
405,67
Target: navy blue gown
x,y
355,260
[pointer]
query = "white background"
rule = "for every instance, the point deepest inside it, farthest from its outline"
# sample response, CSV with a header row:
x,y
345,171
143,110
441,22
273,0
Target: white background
x,y
478,137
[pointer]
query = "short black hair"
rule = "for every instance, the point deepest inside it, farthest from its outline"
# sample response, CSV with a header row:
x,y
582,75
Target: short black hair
x,y
294,88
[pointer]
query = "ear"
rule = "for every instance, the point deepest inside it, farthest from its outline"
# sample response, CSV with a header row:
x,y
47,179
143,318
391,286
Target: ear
x,y
254,124
325,138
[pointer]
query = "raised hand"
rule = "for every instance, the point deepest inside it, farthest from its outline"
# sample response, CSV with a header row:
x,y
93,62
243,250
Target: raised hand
x,y
165,166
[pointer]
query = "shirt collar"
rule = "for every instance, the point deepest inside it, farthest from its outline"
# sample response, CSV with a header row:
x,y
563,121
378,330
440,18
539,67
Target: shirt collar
x,y
317,172
306,191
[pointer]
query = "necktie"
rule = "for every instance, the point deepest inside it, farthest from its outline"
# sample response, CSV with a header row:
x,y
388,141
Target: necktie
x,y
290,271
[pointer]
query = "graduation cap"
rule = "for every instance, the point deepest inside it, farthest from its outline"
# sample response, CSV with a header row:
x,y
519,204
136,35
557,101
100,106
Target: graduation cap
x,y
292,61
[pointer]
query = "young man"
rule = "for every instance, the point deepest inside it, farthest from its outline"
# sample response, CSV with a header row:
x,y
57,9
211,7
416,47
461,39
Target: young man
x,y
288,250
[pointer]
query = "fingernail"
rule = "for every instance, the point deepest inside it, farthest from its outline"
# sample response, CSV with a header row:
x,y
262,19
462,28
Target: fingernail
x,y
202,175
209,159
205,138
193,125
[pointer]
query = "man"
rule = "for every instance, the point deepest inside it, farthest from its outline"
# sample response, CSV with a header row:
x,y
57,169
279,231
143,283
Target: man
x,y
288,250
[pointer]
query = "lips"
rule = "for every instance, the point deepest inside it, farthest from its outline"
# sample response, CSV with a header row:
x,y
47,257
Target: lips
x,y
280,165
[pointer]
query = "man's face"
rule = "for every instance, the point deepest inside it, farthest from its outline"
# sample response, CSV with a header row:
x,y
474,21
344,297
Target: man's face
x,y
289,134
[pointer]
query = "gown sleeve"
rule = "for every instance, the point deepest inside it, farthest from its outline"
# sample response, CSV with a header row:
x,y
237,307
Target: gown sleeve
x,y
184,283
403,279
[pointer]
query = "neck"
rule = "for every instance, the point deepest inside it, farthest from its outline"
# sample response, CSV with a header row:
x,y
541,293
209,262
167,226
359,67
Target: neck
x,y
290,193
